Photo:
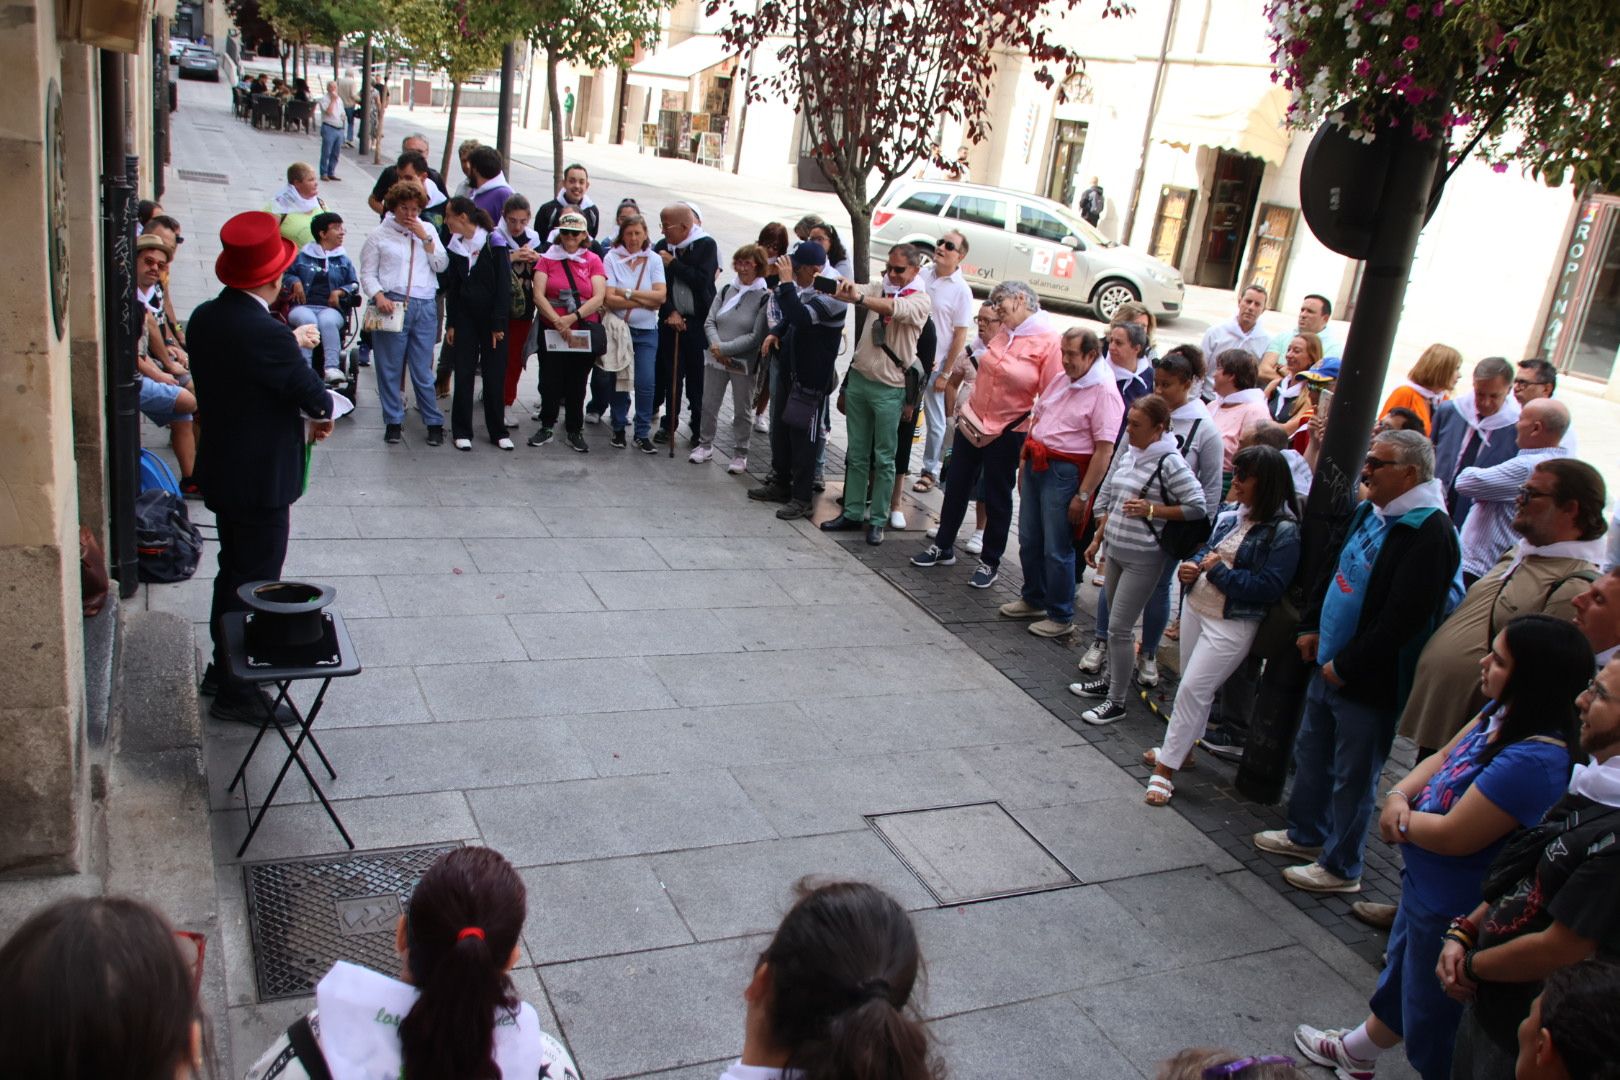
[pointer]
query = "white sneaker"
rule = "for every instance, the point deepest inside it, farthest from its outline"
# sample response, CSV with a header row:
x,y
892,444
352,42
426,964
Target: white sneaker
x,y
1313,877
975,543
1092,662
897,520
335,377
700,455
463,444
513,417
762,423
505,444
534,417
1147,671
932,531
593,418
738,466
1326,1048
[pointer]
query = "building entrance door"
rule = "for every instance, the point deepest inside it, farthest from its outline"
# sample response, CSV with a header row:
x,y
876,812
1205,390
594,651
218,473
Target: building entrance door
x,y
1068,143
1233,192
1170,224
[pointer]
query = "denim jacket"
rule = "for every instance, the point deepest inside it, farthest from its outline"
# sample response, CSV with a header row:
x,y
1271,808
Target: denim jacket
x,y
321,277
1263,569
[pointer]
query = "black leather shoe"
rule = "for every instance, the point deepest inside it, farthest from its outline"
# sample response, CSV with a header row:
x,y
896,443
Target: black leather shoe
x,y
210,682
841,524
874,535
248,711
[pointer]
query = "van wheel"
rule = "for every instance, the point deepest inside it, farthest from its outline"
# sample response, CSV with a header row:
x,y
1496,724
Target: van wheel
x,y
1110,295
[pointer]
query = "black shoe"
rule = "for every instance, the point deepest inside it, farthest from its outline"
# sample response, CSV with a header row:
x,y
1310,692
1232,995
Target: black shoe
x,y
541,437
618,442
874,534
576,442
841,524
646,446
210,682
794,509
770,493
661,437
818,486
249,711
392,434
1223,743
435,435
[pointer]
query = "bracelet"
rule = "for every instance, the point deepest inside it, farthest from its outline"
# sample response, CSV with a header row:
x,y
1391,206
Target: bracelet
x,y
1454,934
1404,796
1150,511
1465,924
1468,965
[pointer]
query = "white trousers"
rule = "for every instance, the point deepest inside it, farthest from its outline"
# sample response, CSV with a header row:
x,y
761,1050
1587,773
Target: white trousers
x,y
1211,649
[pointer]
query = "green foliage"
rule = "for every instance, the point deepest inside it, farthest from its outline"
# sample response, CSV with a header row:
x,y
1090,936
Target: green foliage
x,y
1532,82
595,34
458,37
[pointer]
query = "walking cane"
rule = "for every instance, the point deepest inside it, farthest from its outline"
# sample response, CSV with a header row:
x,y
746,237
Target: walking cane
x,y
674,391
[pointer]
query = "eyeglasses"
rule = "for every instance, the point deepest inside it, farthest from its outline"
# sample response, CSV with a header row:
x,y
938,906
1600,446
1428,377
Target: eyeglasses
x,y
1526,493
947,245
1598,692
1520,384
1373,464
898,270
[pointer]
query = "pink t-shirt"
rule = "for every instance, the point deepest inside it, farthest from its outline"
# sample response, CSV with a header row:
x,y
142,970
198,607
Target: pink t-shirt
x,y
556,279
1233,421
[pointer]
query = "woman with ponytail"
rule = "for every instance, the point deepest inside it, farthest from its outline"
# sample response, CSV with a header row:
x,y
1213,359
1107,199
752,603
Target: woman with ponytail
x,y
830,997
451,1013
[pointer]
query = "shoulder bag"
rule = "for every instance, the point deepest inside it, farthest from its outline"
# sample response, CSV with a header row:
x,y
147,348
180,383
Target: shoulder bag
x,y
977,432
393,322
596,330
1176,538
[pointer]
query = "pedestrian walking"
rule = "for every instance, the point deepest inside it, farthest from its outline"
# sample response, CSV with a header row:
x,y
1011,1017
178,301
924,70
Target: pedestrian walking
x,y
332,118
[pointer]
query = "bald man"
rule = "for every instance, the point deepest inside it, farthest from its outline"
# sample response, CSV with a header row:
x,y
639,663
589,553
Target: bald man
x,y
691,261
1487,532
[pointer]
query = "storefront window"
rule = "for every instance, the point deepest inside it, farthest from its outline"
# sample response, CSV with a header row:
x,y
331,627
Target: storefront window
x,y
1594,350
1581,333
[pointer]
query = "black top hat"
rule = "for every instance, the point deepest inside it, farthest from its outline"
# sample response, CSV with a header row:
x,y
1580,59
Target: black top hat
x,y
285,613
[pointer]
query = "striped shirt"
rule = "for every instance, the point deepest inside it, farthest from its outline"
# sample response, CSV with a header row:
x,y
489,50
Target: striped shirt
x,y
1487,531
1131,539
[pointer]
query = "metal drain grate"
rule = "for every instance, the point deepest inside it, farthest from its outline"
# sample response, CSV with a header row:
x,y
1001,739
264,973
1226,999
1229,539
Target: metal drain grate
x,y
203,177
307,914
971,852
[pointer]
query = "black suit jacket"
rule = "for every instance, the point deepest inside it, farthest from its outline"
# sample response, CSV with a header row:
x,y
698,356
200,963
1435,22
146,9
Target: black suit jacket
x,y
696,266
252,385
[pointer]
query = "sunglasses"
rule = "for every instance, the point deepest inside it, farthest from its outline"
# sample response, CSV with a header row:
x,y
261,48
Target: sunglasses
x,y
947,245
1373,464
897,270
570,232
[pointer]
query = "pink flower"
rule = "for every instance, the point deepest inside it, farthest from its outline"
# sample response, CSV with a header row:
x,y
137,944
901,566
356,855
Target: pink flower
x,y
1411,42
1414,12
1402,83
1439,8
1419,130
1499,167
1363,67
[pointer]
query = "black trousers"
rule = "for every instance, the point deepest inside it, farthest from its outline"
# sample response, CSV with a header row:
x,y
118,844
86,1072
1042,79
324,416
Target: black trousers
x,y
476,355
998,462
691,364
797,468
563,379
252,547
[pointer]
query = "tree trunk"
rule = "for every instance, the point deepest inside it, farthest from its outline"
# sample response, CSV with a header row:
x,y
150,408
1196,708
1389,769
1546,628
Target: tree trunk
x,y
382,109
337,47
853,196
284,50
528,84
556,119
450,131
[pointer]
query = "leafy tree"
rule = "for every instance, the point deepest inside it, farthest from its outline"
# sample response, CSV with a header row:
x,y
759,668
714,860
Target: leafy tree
x,y
257,33
872,82
458,37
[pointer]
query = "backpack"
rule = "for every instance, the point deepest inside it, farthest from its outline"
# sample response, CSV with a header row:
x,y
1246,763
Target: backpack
x,y
156,474
168,546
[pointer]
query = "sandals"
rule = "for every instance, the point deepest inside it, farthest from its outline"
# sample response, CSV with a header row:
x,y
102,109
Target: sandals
x,y
924,483
1159,791
1150,758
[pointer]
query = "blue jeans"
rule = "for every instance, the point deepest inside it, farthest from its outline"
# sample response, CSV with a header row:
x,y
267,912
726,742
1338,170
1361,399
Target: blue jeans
x,y
331,322
412,348
646,346
1340,751
353,114
331,144
1046,539
1409,1000
933,401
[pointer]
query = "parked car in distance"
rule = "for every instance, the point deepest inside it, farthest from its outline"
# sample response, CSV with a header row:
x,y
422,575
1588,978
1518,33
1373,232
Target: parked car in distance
x,y
1013,235
177,45
199,63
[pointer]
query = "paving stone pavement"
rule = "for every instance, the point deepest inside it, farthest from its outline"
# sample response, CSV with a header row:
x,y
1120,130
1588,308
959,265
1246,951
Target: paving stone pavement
x,y
666,706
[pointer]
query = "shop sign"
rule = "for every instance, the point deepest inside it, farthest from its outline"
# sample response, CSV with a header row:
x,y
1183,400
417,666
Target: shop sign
x,y
1569,278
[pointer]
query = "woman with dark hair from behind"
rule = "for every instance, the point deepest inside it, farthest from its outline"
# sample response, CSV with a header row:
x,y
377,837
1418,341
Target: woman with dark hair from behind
x,y
452,1012
98,989
830,997
1451,815
477,306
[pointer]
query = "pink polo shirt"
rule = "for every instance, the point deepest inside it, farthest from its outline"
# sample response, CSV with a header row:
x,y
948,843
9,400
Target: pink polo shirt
x,y
1233,422
1012,371
1072,419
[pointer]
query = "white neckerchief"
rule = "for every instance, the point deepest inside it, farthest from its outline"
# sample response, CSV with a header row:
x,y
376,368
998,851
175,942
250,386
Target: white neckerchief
x,y
1147,455
527,238
1191,409
434,195
692,237
360,1011
583,204
737,293
1290,387
145,295
1506,416
739,1071
314,250
1124,375
1243,397
399,226
469,249
1433,397
288,201
498,180
1599,782
1036,323
1605,656
1096,375
1429,493
618,256
1591,551
556,253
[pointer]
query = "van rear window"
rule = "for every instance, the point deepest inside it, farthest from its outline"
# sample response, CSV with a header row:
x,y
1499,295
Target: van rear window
x,y
926,202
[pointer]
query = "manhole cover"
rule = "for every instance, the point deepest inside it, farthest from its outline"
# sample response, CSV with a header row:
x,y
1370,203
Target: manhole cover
x,y
307,914
204,177
975,851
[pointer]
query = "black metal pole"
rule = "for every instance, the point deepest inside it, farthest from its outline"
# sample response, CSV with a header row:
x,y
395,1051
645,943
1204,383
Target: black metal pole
x,y
503,126
1403,209
365,95
118,177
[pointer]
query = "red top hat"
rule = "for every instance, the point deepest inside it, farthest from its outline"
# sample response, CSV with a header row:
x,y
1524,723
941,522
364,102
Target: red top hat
x,y
255,251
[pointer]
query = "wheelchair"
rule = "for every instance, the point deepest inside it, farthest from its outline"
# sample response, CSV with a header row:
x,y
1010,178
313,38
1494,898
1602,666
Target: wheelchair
x,y
353,308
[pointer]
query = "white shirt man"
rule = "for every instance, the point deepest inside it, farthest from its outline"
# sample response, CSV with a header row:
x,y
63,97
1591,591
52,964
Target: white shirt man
x,y
953,308
1487,531
1242,331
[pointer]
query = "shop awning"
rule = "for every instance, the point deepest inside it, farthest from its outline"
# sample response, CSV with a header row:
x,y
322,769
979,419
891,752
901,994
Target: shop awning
x,y
673,68
1226,108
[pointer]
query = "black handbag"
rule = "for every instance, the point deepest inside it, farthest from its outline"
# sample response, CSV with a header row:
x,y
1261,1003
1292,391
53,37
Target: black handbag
x,y
803,409
1176,538
596,330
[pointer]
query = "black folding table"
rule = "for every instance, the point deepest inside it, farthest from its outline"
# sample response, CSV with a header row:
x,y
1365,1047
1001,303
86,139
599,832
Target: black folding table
x,y
331,658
